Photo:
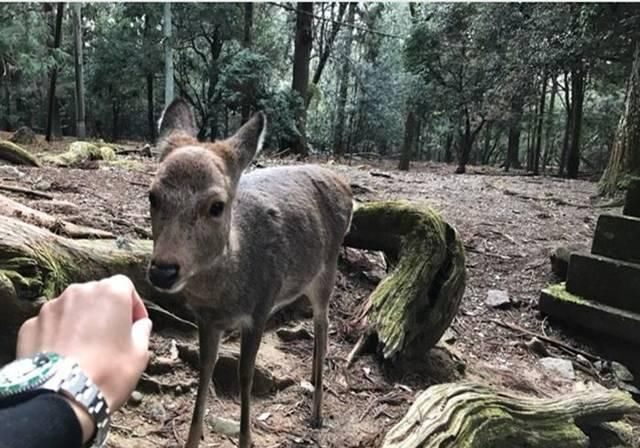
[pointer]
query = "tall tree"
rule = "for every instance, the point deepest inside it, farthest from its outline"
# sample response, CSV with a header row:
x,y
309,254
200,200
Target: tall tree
x,y
79,70
54,72
578,79
300,83
343,83
246,43
408,142
624,160
168,56
538,141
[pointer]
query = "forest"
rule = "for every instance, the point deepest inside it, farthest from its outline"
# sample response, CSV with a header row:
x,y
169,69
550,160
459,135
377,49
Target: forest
x,y
519,85
487,286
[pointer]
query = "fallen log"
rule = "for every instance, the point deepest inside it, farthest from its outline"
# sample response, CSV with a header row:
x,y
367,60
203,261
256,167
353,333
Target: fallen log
x,y
11,208
16,154
465,415
36,265
81,152
412,307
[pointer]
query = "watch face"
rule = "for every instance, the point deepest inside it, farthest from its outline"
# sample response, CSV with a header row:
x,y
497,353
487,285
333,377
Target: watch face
x,y
25,374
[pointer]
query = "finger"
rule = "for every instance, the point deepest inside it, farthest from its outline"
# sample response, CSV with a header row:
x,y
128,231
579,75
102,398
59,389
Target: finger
x,y
140,334
139,311
26,344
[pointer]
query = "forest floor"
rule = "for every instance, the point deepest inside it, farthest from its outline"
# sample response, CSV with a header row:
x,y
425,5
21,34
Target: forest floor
x,y
509,225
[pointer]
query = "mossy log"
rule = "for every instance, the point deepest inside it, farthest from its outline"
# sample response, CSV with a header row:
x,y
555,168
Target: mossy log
x,y
81,152
465,415
11,208
36,265
16,154
412,307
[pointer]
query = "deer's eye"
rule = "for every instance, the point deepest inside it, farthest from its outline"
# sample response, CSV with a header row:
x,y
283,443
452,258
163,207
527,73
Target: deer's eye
x,y
153,199
216,208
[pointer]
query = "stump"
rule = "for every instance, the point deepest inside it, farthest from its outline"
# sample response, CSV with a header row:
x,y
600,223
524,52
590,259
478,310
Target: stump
x,y
412,307
36,265
23,136
465,415
81,152
16,154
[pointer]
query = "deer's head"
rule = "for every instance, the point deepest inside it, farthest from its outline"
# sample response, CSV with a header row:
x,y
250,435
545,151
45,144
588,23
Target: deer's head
x,y
192,195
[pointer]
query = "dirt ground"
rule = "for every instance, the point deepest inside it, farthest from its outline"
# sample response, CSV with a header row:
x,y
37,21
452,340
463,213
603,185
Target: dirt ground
x,y
509,225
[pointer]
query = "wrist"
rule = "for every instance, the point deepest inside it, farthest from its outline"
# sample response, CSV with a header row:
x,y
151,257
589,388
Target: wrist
x,y
87,424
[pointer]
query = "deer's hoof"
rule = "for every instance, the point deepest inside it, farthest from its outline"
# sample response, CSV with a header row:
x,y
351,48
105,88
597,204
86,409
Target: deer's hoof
x,y
316,422
245,442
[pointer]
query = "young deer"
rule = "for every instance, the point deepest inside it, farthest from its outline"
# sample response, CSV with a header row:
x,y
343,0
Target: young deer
x,y
241,247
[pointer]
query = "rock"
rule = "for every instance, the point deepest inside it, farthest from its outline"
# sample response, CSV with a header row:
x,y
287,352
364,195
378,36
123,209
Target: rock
x,y
136,398
537,347
582,360
23,135
616,237
10,172
56,206
633,390
42,185
449,336
497,298
224,426
157,412
375,276
562,367
293,334
621,372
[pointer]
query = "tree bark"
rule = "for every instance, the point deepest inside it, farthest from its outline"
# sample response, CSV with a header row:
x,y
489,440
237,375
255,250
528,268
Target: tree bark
x,y
476,416
578,76
466,143
54,75
549,126
408,142
538,144
567,126
245,109
412,307
300,83
79,70
624,160
150,115
168,56
448,144
343,85
513,143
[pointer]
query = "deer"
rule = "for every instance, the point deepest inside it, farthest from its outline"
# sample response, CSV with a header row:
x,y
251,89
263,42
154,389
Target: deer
x,y
238,247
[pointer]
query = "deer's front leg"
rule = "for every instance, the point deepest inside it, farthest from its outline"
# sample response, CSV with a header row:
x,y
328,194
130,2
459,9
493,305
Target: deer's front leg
x,y
249,345
209,341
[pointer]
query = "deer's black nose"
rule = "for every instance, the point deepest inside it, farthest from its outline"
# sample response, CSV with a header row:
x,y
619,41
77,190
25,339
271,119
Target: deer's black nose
x,y
162,275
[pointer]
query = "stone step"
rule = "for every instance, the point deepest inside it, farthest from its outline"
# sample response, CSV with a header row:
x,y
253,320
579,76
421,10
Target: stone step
x,y
605,280
618,237
632,199
556,302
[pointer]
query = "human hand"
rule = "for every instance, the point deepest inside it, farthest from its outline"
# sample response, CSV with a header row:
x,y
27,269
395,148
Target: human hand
x,y
104,326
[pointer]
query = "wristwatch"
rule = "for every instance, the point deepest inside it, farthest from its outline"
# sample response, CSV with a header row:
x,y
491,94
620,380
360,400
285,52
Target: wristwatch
x,y
50,371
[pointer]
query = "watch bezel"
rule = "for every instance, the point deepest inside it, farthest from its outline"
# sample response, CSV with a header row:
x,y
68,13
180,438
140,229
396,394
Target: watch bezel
x,y
43,369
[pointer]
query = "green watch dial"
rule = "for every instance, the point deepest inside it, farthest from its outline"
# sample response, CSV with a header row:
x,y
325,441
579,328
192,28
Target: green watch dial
x,y
26,374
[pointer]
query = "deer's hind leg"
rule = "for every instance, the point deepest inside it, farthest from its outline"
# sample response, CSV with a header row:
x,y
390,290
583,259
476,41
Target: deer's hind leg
x,y
319,294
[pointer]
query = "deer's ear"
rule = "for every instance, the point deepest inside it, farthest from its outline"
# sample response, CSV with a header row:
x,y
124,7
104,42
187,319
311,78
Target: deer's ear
x,y
247,142
177,122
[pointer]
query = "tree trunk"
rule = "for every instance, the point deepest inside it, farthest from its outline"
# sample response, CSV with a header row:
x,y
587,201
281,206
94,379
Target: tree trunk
x,y
624,160
54,76
531,136
413,306
324,56
168,56
79,66
300,84
538,145
343,85
486,147
578,76
549,127
476,416
150,115
567,127
513,143
245,109
448,144
408,142
466,143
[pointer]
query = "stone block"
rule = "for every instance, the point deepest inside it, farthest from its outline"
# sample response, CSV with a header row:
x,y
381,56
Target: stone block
x,y
617,237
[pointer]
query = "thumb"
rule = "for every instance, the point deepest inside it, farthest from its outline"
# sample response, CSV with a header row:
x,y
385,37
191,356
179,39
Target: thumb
x,y
140,333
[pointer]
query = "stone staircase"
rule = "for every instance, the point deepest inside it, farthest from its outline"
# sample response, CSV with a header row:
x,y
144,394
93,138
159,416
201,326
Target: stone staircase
x,y
602,291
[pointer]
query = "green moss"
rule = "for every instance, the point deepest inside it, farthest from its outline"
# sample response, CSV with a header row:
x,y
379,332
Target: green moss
x,y
20,153
79,152
559,291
